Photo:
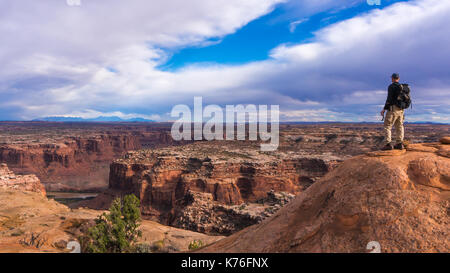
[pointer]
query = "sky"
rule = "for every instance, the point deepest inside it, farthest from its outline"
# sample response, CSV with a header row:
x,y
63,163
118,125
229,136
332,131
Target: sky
x,y
319,60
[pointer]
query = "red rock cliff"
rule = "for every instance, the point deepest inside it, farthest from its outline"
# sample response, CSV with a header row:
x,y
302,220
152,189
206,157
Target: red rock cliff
x,y
9,180
161,178
75,160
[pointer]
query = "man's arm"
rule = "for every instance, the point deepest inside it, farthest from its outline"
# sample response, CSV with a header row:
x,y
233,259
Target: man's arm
x,y
389,100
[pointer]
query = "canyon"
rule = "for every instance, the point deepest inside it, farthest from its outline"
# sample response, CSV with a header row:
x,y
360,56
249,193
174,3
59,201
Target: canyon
x,y
73,156
76,156
26,212
168,180
211,187
221,187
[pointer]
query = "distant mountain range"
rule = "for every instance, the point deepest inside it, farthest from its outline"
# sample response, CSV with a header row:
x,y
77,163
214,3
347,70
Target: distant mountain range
x,y
359,122
118,119
97,119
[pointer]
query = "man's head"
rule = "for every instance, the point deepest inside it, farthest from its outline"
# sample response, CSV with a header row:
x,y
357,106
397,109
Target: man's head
x,y
395,77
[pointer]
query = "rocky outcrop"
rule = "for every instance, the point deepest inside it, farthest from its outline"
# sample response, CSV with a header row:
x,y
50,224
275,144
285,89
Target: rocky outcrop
x,y
24,213
351,139
400,201
165,178
9,180
200,212
445,140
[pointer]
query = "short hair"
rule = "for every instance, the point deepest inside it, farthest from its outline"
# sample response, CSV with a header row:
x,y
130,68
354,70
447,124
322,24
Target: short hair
x,y
395,76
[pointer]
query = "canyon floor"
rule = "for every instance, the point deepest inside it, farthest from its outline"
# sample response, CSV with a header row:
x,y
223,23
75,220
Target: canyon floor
x,y
205,190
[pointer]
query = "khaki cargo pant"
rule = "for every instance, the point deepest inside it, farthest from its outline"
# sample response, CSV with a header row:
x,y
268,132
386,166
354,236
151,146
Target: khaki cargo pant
x,y
394,117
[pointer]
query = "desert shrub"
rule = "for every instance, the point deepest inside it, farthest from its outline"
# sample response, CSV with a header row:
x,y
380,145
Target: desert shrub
x,y
158,246
116,231
143,248
196,244
155,247
36,240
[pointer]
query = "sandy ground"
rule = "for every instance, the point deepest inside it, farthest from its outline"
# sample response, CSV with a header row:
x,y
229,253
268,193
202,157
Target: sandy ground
x,y
25,213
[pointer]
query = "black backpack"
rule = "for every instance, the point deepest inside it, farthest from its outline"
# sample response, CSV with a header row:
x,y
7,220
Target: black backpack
x,y
404,97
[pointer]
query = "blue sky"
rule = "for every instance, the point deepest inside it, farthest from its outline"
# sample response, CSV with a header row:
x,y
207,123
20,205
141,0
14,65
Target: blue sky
x,y
320,60
254,41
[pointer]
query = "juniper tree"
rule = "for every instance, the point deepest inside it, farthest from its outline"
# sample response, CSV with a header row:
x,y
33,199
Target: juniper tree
x,y
116,231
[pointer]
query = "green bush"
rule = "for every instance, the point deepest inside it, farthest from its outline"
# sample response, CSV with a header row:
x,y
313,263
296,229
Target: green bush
x,y
195,244
116,231
143,248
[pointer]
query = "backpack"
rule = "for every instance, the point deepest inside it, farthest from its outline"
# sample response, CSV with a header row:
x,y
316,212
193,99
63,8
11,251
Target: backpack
x,y
404,97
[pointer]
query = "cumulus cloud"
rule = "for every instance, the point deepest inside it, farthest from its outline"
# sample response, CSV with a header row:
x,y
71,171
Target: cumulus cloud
x,y
56,54
109,61
358,55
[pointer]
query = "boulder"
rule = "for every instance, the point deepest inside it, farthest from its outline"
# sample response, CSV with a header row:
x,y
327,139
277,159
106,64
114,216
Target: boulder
x,y
445,140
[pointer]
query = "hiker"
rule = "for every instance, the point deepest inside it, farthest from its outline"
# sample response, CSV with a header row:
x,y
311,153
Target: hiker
x,y
398,100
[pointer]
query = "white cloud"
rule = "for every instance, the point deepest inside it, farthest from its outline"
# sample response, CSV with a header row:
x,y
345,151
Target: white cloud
x,y
96,30
109,61
293,25
310,115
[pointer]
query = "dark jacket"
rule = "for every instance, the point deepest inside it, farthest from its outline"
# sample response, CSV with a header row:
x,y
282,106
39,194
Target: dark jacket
x,y
393,91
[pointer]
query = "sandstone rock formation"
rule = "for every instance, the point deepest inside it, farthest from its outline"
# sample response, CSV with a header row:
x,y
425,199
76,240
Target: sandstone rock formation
x,y
401,201
79,163
73,157
230,174
76,156
9,180
445,140
198,211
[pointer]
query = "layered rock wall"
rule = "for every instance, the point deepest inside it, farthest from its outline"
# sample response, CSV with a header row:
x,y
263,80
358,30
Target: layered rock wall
x,y
9,180
76,163
163,179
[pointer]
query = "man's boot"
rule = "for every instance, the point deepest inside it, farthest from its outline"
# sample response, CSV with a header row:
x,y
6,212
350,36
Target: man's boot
x,y
388,147
399,146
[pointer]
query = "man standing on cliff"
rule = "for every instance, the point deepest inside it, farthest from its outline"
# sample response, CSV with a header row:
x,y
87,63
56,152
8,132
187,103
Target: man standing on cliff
x,y
395,106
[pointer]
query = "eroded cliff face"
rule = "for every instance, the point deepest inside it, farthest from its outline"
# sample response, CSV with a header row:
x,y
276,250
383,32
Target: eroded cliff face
x,y
74,159
198,211
75,164
11,181
164,178
76,156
